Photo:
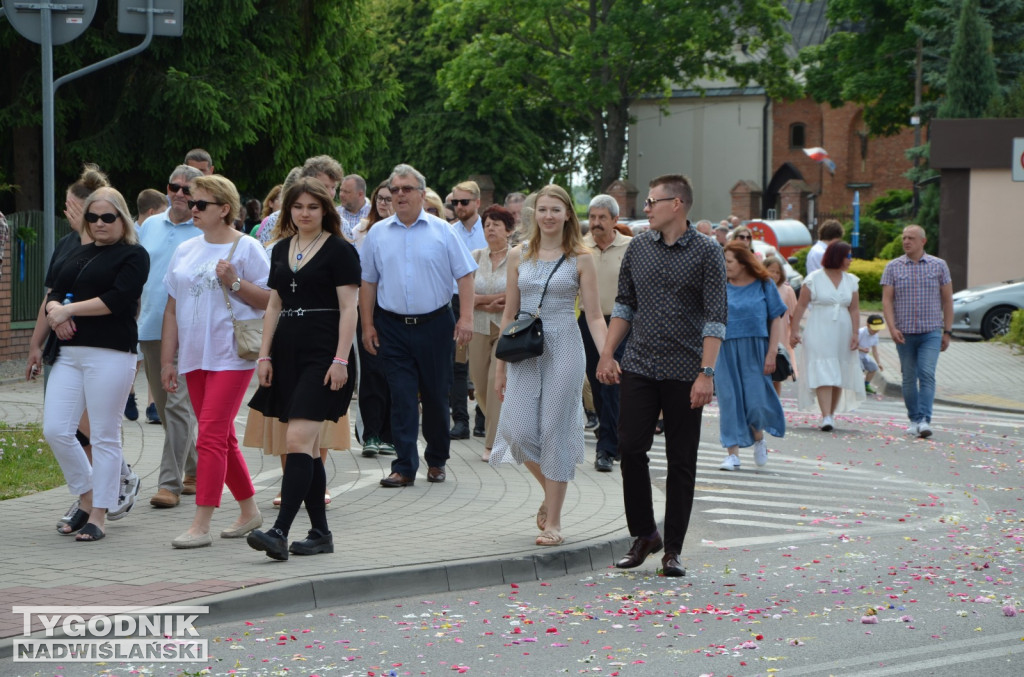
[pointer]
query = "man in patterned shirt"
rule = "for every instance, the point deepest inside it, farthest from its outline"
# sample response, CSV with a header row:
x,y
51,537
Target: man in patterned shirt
x,y
917,301
672,297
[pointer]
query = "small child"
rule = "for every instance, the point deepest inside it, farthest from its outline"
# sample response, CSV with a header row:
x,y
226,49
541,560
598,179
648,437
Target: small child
x,y
867,344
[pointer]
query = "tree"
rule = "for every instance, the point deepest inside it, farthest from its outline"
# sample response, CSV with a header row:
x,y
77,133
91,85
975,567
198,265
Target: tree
x,y
971,80
870,58
587,60
261,84
518,148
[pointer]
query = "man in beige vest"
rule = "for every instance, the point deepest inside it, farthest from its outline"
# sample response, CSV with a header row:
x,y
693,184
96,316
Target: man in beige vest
x,y
608,246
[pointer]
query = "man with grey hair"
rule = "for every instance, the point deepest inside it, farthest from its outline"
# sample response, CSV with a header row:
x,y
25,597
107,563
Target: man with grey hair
x,y
608,246
704,226
324,169
200,159
408,263
353,207
514,203
722,233
161,234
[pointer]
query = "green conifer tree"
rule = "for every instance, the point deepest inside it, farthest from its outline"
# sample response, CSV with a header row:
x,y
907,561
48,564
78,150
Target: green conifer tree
x,y
971,78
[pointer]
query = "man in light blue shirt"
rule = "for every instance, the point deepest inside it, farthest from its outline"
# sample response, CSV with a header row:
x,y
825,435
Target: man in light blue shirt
x,y
470,228
409,261
161,234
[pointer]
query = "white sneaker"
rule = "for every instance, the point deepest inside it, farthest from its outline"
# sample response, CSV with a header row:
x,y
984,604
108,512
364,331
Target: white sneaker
x,y
827,423
912,429
731,462
760,453
126,497
70,514
923,429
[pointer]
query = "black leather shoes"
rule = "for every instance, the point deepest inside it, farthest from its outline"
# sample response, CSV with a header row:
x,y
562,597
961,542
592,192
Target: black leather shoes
x,y
436,475
670,565
394,480
316,542
272,542
603,463
642,547
459,431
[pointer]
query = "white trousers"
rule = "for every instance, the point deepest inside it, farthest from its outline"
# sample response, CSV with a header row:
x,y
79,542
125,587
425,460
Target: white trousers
x,y
98,379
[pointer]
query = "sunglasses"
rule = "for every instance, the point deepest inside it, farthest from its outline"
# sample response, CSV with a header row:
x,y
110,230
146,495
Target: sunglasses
x,y
174,188
650,202
201,205
105,218
403,189
432,210
743,237
463,201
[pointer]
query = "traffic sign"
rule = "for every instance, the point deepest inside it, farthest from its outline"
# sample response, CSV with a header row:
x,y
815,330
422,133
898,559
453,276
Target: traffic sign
x,y
68,20
168,17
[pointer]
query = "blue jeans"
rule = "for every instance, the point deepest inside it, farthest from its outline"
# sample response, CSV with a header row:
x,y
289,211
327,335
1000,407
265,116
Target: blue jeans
x,y
919,353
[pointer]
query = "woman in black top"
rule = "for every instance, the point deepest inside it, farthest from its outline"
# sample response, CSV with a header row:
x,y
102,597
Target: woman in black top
x,y
303,364
92,308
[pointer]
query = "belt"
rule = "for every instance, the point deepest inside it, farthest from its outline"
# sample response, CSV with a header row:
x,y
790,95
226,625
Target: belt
x,y
413,319
299,312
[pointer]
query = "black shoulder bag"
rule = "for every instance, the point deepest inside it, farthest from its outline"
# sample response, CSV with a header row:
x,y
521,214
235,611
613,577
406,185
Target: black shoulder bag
x,y
783,369
524,337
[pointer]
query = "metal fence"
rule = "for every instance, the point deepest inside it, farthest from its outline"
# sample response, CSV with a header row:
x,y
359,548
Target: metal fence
x,y
27,265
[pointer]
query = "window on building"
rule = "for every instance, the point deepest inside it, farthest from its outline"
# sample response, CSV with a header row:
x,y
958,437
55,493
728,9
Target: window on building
x,y
797,135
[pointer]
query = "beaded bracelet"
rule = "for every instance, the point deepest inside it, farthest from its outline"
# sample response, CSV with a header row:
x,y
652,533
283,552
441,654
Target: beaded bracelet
x,y
338,360
263,359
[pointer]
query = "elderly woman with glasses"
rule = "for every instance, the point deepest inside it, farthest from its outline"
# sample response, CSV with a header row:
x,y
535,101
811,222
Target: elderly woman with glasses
x,y
829,360
212,280
92,308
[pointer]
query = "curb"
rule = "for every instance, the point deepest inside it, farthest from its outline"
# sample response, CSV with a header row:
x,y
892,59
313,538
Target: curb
x,y
895,389
305,594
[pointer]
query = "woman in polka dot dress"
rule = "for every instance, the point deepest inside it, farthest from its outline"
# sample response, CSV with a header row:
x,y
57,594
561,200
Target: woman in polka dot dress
x,y
541,421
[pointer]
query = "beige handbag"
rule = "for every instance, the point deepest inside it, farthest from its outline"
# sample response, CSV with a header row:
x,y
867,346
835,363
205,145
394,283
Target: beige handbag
x,y
248,333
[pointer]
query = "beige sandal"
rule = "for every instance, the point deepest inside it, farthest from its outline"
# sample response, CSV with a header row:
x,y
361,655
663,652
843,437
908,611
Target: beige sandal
x,y
550,538
542,517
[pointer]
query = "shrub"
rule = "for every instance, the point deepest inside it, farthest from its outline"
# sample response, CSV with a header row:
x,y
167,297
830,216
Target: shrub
x,y
801,260
1015,335
874,234
870,275
893,250
892,205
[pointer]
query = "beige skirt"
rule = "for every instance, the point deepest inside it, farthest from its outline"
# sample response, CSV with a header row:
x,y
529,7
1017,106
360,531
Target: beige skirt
x,y
269,434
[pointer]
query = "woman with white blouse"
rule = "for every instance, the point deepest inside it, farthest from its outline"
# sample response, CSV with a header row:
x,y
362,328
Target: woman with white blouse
x,y
489,304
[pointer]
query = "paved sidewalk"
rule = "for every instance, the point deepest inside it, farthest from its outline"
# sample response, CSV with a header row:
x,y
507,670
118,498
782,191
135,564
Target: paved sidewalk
x,y
474,530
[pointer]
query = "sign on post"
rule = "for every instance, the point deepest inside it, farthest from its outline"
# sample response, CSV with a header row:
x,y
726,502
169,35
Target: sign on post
x,y
1018,160
67,20
168,17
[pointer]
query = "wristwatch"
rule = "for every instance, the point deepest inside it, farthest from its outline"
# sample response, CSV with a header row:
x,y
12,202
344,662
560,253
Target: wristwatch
x,y
708,371
237,284
947,332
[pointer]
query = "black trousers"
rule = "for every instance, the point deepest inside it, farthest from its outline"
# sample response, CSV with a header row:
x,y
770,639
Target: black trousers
x,y
459,395
417,358
642,398
374,395
606,398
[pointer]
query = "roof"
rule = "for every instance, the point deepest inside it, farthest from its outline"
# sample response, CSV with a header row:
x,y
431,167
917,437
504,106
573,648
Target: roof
x,y
809,25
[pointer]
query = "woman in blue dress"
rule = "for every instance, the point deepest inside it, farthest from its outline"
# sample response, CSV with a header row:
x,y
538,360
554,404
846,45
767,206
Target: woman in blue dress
x,y
747,402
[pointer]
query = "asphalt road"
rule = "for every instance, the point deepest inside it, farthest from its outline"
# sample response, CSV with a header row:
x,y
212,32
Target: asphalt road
x,y
859,552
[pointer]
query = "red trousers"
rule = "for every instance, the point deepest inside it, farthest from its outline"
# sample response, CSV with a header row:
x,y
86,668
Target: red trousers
x,y
216,397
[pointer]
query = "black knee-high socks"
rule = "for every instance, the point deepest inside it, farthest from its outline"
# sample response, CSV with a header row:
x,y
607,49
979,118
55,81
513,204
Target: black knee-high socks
x,y
315,506
305,480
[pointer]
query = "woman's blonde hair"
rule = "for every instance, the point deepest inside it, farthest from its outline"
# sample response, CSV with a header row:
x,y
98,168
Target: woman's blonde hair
x,y
116,200
572,234
271,196
223,191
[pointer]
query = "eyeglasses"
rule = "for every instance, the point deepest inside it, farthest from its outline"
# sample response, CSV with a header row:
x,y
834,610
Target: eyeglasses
x,y
651,201
201,205
174,188
105,218
383,199
743,237
462,201
403,189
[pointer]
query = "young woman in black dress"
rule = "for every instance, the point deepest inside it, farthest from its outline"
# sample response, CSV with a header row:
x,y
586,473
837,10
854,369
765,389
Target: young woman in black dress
x,y
303,364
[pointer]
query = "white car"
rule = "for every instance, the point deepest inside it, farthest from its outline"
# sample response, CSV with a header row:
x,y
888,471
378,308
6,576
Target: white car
x,y
987,309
